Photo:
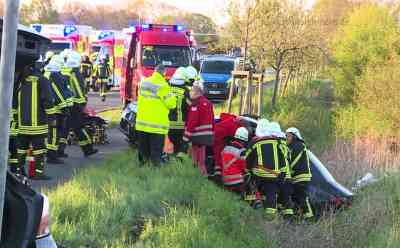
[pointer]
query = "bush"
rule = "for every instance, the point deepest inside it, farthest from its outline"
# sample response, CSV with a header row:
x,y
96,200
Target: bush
x,y
370,35
310,110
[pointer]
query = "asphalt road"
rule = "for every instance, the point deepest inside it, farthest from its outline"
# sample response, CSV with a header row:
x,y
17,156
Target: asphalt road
x,y
112,100
76,161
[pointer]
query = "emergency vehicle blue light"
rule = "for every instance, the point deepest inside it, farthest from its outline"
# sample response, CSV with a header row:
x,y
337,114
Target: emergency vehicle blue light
x,y
104,35
145,27
179,28
70,29
132,29
37,27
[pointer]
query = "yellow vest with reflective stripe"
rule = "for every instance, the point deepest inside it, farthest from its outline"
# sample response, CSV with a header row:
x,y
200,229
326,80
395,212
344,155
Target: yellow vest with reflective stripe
x,y
155,100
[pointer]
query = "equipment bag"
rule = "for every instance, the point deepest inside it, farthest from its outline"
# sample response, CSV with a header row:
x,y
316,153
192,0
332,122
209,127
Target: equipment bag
x,y
22,214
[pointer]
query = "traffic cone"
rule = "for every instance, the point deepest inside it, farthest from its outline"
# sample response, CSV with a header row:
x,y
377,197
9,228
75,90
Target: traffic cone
x,y
31,164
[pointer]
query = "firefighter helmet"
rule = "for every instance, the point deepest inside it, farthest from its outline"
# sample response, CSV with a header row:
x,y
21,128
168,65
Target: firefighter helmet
x,y
192,73
73,60
263,128
242,134
48,55
179,76
295,132
55,64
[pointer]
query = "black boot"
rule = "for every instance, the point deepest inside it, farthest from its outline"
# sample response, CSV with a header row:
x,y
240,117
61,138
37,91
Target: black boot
x,y
89,150
52,158
61,151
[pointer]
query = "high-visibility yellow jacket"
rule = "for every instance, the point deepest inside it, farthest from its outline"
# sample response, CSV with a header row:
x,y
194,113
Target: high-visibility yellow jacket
x,y
155,100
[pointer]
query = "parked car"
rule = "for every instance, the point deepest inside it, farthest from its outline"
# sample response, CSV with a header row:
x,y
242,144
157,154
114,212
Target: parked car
x,y
26,218
216,75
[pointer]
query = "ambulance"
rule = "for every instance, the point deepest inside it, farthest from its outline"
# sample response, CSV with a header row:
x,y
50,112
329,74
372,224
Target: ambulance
x,y
65,36
110,44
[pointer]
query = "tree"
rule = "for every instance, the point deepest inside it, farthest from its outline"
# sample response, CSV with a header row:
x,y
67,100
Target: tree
x,y
284,39
330,14
240,30
199,23
369,35
100,17
39,11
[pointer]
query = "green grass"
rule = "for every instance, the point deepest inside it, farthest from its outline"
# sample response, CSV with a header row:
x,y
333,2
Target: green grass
x,y
122,205
112,116
109,206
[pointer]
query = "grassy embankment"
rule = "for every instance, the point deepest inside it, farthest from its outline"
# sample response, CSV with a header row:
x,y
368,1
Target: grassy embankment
x,y
123,205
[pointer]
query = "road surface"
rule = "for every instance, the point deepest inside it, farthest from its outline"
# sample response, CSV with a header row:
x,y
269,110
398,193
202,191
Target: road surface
x,y
112,100
76,161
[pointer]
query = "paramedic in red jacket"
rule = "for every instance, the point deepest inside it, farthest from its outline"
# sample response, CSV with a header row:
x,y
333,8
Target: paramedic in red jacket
x,y
199,127
224,129
234,161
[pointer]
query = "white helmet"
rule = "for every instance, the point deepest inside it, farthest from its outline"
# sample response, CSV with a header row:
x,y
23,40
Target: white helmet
x,y
263,129
64,53
295,132
191,73
73,60
242,134
48,55
276,130
55,64
179,76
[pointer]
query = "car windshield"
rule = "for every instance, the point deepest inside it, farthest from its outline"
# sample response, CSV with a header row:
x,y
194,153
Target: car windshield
x,y
169,56
59,46
217,67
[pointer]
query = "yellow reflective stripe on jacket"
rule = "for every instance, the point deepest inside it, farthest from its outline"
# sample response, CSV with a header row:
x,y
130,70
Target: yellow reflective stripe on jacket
x,y
179,94
302,178
274,144
144,124
261,172
34,100
79,97
297,159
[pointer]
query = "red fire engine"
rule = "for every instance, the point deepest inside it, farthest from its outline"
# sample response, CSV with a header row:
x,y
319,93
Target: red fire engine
x,y
149,45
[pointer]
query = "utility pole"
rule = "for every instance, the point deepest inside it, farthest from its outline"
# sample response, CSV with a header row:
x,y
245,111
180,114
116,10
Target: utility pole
x,y
7,68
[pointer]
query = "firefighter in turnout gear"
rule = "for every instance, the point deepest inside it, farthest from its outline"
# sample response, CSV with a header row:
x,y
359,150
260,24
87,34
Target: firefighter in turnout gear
x,y
300,171
86,71
267,160
234,162
13,142
177,116
155,101
75,121
35,110
62,102
102,73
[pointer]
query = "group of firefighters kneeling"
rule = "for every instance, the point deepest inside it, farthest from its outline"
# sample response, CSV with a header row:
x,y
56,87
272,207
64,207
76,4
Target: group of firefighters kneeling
x,y
250,156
